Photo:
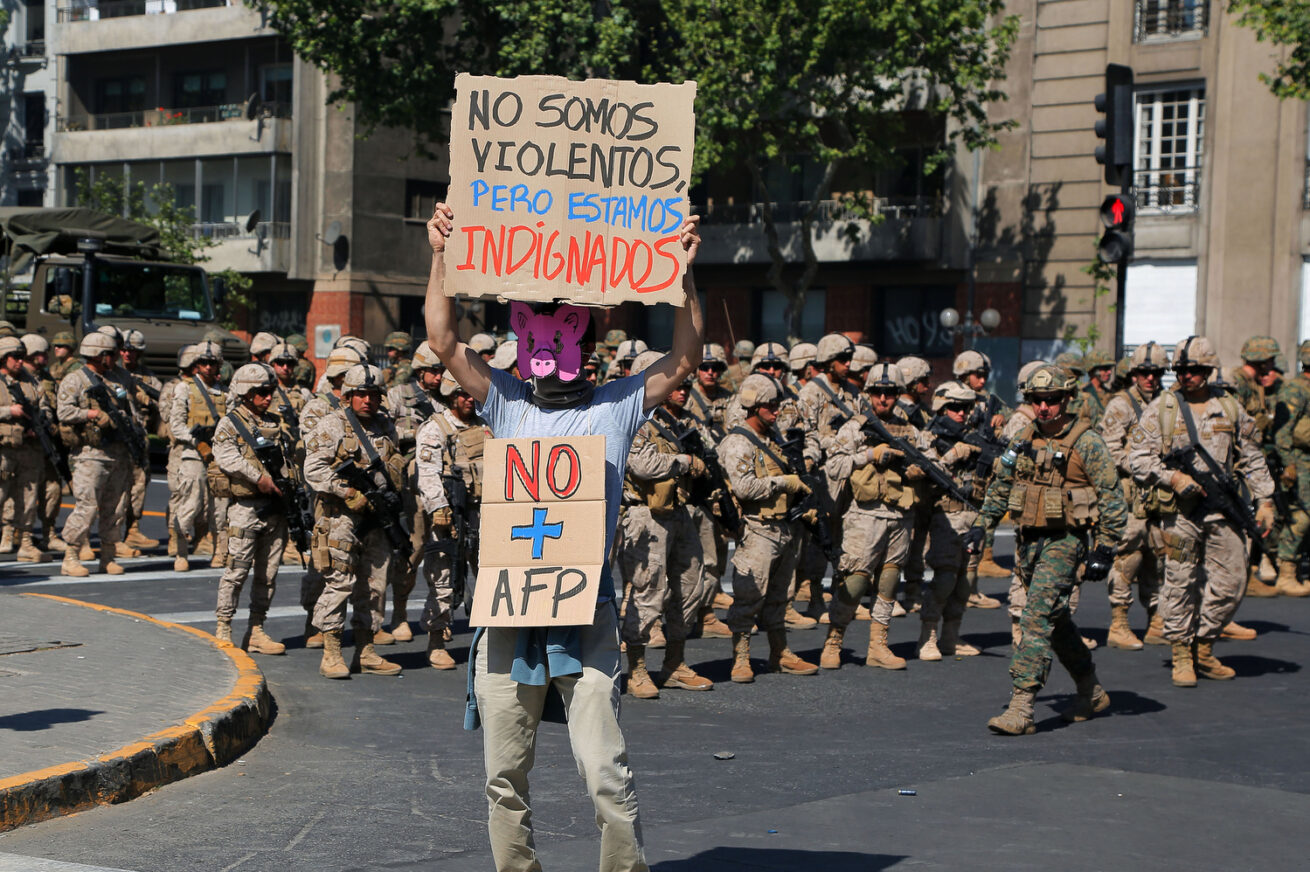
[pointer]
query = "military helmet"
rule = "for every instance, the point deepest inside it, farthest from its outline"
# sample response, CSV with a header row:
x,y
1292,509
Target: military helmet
x,y
884,375
506,356
34,343
744,349
482,343
914,368
448,385
630,348
251,376
1303,354
399,340
283,351
643,361
341,360
8,329
63,337
614,337
97,343
355,344
757,389
1049,378
712,352
1028,369
1259,348
970,361
425,358
770,352
1071,361
1150,356
298,342
134,339
11,345
208,350
1195,351
952,392
802,355
1124,368
1280,364
831,347
262,343
113,333
1096,359
186,355
362,377
863,358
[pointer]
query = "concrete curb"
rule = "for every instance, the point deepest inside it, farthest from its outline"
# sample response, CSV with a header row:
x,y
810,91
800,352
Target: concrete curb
x,y
212,737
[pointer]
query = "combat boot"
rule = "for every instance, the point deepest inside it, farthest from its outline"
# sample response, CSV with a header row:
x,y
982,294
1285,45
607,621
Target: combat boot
x,y
950,643
86,553
223,633
722,600
71,566
313,638
1121,635
1287,585
677,674
1184,674
796,621
1208,665
438,656
28,552
7,540
172,542
382,637
898,610
181,564
122,549
1259,587
1155,630
928,649
400,620
989,568
1266,571
332,666
107,563
832,650
1017,719
259,642
1091,700
782,659
204,546
983,601
656,636
640,684
1235,632
53,542
136,539
367,659
712,628
741,659
879,654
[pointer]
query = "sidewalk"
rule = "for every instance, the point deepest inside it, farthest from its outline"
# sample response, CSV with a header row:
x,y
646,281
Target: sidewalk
x,y
100,705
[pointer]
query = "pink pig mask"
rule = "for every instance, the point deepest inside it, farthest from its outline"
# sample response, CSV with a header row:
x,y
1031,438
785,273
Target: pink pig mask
x,y
550,342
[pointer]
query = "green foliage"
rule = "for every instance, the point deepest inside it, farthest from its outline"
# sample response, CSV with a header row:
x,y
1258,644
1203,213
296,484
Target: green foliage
x,y
1284,23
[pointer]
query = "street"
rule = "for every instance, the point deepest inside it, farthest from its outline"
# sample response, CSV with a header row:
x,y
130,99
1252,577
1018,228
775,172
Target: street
x,y
376,773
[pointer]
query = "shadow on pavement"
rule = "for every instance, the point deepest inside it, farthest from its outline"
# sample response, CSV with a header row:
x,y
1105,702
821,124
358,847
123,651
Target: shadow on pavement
x,y
778,860
44,719
1248,665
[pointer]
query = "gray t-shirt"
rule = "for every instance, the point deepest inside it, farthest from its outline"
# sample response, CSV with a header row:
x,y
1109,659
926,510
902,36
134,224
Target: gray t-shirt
x,y
616,411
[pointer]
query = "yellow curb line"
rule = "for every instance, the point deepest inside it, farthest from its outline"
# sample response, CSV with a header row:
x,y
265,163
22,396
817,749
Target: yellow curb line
x,y
212,737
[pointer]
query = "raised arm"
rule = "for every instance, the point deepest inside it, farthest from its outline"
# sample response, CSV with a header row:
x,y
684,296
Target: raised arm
x,y
465,365
688,330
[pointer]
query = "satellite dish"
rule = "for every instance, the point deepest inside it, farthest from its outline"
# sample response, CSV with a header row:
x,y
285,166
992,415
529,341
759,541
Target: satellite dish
x,y
253,221
333,233
252,107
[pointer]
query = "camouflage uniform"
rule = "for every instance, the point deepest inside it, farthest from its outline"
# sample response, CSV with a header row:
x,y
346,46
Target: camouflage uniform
x,y
21,458
709,409
1142,540
192,507
1292,439
51,490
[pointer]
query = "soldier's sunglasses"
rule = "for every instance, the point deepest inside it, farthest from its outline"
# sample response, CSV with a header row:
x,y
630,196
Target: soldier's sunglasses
x,y
958,407
263,392
1203,371
883,392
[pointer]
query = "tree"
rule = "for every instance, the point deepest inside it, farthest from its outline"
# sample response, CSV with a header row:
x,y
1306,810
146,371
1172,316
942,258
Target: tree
x,y
1282,23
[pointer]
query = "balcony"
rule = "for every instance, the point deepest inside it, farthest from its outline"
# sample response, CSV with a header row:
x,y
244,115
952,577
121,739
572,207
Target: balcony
x,y
1165,20
174,133
265,249
118,25
161,117
29,157
29,55
1167,191
93,11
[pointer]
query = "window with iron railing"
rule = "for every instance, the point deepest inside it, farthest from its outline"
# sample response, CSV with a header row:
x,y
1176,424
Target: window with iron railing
x,y
94,10
1167,157
1170,19
893,208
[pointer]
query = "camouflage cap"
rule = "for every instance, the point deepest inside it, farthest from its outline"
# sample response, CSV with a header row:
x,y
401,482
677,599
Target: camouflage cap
x,y
399,340
1028,369
425,358
1280,364
1097,359
1303,354
1071,361
11,345
712,352
914,368
744,349
34,344
1195,351
863,358
482,343
341,360
298,342
64,338
1123,368
802,355
771,352
250,377
614,337
969,361
952,392
1049,379
644,360
1150,356
361,378
1259,348
506,356
884,375
757,389
263,343
832,346
96,343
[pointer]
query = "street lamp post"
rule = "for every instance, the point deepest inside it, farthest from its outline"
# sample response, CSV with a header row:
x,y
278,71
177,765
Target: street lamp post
x,y
970,329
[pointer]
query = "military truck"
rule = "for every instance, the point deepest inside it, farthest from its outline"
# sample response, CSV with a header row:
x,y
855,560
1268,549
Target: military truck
x,y
88,269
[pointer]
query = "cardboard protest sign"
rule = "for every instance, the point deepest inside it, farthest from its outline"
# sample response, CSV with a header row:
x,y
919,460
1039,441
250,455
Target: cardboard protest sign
x,y
567,190
543,532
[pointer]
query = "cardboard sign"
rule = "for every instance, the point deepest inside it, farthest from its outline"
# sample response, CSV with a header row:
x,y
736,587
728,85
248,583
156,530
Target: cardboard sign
x,y
567,190
543,532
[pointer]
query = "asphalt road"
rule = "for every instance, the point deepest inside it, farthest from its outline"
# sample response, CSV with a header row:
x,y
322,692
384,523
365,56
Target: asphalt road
x,y
376,773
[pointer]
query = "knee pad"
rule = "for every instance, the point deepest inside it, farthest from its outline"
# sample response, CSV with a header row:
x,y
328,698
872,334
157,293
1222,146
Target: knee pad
x,y
888,577
852,588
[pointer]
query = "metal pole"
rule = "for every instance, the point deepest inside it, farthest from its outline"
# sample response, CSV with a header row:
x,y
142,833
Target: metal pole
x,y
1121,275
972,293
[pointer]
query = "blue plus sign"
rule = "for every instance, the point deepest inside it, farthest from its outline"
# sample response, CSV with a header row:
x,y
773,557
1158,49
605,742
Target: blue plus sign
x,y
538,531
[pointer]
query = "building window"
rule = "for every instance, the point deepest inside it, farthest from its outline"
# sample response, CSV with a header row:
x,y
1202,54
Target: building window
x,y
1167,158
772,316
208,88
121,95
421,197
275,81
909,322
1170,19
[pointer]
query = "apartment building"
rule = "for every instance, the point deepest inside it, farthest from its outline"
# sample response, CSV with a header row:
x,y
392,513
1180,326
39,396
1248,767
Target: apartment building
x,y
27,90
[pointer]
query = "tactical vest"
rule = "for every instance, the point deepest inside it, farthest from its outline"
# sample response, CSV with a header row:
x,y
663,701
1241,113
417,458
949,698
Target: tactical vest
x,y
1051,488
766,466
1161,499
11,431
871,484
471,440
658,495
270,428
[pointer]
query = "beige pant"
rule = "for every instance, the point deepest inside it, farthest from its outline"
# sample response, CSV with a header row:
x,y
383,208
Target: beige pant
x,y
137,500
99,490
1204,577
356,573
20,481
947,595
763,568
1136,562
253,543
714,554
511,713
869,543
189,502
52,491
661,557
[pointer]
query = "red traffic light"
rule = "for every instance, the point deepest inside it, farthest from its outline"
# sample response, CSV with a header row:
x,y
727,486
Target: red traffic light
x,y
1117,211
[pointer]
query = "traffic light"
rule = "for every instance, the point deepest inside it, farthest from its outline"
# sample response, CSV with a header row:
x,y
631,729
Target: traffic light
x,y
1117,242
1116,128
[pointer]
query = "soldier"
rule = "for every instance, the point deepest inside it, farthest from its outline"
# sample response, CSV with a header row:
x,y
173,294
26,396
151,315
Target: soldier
x,y
483,344
801,362
91,399
506,358
742,352
864,358
623,358
947,598
917,397
1249,383
876,530
350,541
1292,439
197,405
1096,393
708,405
148,388
973,370
660,553
1136,559
261,345
289,398
249,456
62,344
399,346
51,488
916,372
1205,557
305,374
765,562
608,348
21,457
1058,477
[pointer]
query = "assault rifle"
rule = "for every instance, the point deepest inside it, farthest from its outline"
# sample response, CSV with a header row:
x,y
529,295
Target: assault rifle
x,y
793,451
279,461
204,438
1275,464
383,500
132,434
714,488
989,447
874,429
45,433
466,533
1222,494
